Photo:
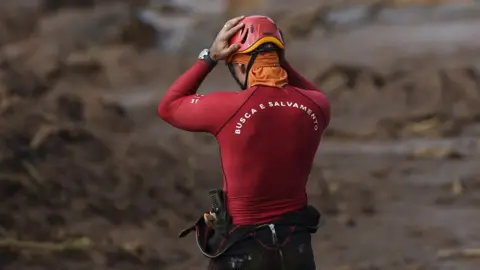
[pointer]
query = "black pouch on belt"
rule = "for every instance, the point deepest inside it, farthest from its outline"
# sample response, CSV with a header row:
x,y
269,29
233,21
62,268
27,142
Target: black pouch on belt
x,y
213,242
219,207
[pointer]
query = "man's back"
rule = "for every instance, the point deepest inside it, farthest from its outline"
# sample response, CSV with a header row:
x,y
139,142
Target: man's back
x,y
265,167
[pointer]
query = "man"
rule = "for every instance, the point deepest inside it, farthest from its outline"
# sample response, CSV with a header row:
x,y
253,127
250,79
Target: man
x,y
268,135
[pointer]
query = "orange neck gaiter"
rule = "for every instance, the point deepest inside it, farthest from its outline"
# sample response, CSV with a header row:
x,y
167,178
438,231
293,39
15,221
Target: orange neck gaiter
x,y
266,69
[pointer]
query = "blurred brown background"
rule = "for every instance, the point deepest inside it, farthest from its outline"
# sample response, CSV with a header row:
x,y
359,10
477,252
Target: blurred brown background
x,y
92,179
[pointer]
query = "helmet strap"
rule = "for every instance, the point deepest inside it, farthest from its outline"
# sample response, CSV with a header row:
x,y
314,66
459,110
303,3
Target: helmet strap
x,y
268,47
232,71
247,69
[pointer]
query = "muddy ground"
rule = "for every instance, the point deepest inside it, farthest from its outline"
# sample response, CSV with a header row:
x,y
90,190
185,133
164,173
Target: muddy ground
x,y
92,179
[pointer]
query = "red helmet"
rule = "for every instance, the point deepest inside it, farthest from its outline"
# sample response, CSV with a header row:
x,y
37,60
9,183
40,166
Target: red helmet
x,y
258,30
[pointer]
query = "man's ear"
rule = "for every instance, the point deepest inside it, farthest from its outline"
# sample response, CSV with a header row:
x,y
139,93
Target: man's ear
x,y
243,68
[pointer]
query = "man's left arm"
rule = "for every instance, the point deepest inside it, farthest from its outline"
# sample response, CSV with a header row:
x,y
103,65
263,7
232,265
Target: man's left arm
x,y
183,108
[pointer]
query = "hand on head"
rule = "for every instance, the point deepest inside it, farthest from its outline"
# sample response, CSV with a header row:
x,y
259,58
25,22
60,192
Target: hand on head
x,y
221,48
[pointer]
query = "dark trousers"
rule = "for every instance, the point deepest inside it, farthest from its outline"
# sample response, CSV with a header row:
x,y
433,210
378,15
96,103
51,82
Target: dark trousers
x,y
293,251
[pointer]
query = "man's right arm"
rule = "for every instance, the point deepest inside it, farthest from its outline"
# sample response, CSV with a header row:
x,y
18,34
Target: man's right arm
x,y
322,102
296,79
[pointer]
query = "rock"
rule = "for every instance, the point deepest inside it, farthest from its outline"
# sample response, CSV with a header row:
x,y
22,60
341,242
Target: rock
x,y
19,81
42,60
462,93
428,102
301,23
347,221
13,27
113,24
84,64
71,107
351,17
450,10
241,7
55,5
178,33
140,34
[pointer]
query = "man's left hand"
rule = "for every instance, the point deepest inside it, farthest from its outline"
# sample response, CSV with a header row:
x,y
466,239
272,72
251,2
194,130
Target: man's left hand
x,y
221,48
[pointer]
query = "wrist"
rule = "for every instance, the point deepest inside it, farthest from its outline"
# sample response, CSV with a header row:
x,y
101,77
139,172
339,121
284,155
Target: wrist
x,y
213,56
206,56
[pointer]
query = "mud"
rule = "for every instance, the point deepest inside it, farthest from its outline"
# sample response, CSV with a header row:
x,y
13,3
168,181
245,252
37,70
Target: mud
x,y
92,179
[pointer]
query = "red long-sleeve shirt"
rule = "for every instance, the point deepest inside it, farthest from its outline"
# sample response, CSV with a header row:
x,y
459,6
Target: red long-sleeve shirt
x,y
267,136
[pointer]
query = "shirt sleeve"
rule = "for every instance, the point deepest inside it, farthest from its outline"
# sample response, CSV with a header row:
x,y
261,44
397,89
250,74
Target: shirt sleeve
x,y
322,102
296,79
183,108
324,105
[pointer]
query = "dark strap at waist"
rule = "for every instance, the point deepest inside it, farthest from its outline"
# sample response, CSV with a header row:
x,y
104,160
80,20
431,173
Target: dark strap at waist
x,y
307,218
